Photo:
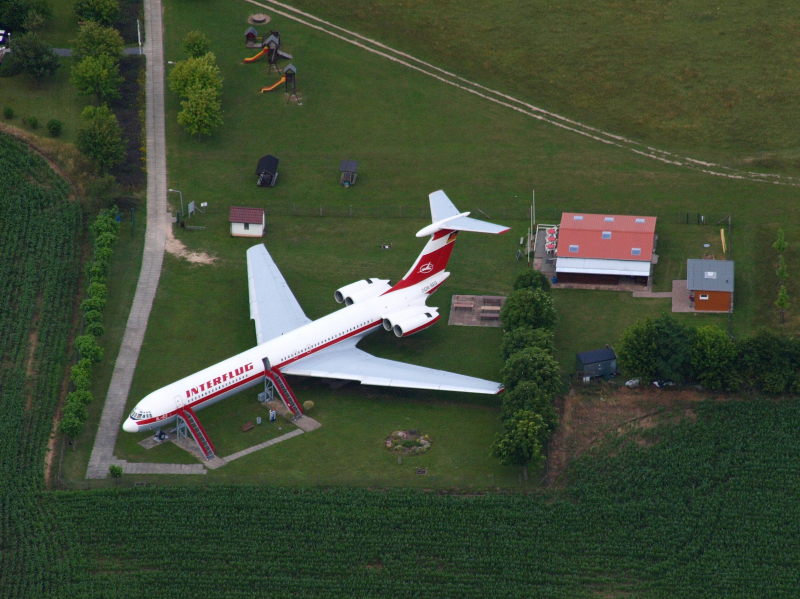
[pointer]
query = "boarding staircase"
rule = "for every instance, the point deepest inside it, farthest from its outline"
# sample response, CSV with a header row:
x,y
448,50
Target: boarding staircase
x,y
198,432
285,391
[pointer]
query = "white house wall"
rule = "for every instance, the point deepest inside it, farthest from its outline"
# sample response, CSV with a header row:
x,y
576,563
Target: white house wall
x,y
593,266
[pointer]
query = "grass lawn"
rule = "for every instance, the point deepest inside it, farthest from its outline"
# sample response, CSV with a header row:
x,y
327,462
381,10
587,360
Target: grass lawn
x,y
53,98
718,80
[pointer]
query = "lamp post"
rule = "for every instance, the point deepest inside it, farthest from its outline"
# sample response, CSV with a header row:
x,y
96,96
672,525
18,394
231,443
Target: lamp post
x,y
170,190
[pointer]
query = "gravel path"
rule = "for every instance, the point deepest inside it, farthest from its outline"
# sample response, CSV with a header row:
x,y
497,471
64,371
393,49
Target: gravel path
x,y
158,225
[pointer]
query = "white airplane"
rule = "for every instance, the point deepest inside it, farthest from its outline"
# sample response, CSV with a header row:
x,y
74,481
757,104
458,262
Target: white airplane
x,y
290,343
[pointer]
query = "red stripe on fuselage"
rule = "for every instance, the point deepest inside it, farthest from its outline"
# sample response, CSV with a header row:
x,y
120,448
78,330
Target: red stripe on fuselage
x,y
198,403
358,331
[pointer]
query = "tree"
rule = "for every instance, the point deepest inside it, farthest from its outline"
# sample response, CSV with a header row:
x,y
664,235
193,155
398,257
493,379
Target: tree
x,y
657,348
782,302
101,140
97,76
536,365
781,271
31,56
201,111
20,16
528,307
527,395
196,44
199,72
520,442
713,359
524,337
71,426
88,347
104,12
780,243
532,279
768,360
95,39
115,471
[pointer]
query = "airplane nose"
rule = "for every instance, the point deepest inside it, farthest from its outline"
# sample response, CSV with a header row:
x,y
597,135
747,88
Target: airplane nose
x,y
129,426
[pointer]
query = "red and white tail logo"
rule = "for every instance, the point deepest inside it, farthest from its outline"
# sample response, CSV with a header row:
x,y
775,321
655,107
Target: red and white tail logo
x,y
433,259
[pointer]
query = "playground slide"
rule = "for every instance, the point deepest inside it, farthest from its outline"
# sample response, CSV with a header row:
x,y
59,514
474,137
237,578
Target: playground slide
x,y
269,88
261,53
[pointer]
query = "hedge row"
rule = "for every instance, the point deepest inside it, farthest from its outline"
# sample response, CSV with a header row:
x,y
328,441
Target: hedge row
x,y
104,231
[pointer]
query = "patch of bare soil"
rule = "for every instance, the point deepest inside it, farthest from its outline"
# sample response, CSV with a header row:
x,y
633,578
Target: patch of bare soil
x,y
587,415
176,248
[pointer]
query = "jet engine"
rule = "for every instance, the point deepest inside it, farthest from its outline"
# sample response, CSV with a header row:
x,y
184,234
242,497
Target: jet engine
x,y
361,290
410,321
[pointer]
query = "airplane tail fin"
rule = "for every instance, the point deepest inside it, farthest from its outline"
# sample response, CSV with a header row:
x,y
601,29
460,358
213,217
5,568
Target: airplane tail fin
x,y
447,221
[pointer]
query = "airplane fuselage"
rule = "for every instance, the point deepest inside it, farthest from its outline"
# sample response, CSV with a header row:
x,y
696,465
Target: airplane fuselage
x,y
248,368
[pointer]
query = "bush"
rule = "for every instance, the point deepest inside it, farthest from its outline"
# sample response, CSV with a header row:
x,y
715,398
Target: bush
x,y
32,122
104,12
8,113
88,347
54,127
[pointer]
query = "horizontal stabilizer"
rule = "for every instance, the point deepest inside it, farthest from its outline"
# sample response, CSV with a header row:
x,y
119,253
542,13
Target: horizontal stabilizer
x,y
446,216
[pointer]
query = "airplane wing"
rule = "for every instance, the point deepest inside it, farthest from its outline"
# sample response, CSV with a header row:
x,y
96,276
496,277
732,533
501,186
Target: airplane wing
x,y
351,363
273,306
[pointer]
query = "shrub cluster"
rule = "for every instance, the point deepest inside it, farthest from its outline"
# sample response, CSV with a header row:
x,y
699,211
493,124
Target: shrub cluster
x,y
664,349
531,374
104,233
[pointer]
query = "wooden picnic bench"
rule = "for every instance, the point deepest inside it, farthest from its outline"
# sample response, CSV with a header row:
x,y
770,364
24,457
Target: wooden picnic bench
x,y
248,426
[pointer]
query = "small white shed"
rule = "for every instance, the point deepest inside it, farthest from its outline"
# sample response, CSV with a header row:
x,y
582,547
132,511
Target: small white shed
x,y
247,222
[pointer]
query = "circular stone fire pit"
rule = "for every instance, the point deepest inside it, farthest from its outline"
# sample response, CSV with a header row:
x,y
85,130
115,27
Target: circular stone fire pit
x,y
408,442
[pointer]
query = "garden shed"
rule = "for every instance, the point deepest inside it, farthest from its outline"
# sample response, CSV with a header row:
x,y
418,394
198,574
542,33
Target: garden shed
x,y
710,284
596,362
247,222
267,171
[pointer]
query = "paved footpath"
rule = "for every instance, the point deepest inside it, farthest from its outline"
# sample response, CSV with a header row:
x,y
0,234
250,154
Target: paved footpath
x,y
155,240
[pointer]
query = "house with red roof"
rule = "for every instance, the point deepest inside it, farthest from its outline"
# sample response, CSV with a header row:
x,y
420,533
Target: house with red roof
x,y
606,249
247,222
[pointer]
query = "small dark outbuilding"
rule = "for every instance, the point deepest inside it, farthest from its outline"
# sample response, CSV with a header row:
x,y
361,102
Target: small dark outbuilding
x,y
267,171
596,362
349,172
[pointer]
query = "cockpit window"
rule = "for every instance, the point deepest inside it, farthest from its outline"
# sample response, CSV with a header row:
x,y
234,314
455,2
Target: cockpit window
x,y
140,414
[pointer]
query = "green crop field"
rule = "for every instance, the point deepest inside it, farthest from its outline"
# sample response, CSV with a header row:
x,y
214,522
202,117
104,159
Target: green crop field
x,y
704,507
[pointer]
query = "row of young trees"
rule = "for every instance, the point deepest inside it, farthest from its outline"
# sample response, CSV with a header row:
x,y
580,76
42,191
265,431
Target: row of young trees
x,y
530,374
197,80
104,232
98,49
666,349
